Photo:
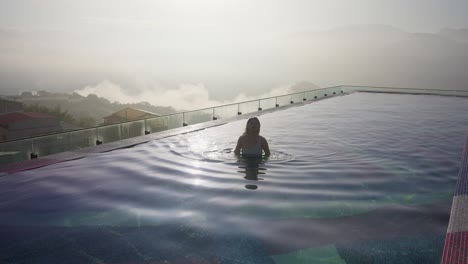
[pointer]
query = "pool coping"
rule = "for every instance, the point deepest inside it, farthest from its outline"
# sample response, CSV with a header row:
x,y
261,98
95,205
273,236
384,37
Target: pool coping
x,y
456,238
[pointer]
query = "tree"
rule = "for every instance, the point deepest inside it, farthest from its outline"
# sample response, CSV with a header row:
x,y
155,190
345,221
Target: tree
x,y
87,121
26,94
57,112
43,93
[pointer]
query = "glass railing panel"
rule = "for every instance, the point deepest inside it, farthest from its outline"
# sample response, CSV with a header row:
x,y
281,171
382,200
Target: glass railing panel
x,y
200,116
15,151
444,92
436,92
404,90
395,90
226,111
267,103
461,93
297,97
325,92
133,129
334,90
311,95
109,133
51,144
349,89
249,107
83,138
157,124
283,100
320,93
342,89
388,90
378,89
174,121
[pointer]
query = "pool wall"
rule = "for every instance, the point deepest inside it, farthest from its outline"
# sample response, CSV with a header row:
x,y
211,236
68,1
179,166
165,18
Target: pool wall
x,y
456,239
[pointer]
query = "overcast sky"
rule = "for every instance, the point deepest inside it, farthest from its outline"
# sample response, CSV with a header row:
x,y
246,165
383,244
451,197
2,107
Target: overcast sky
x,y
414,15
220,47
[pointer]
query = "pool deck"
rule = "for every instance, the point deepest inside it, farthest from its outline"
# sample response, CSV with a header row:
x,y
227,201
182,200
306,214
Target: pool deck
x,y
456,239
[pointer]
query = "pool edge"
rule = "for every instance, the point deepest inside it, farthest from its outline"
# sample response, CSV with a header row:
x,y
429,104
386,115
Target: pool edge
x,y
456,240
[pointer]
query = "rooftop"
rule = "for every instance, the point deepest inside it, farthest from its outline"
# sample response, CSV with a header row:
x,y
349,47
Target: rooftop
x,y
13,117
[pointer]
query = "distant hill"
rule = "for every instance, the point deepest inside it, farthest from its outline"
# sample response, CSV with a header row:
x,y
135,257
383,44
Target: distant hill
x,y
460,35
384,56
87,111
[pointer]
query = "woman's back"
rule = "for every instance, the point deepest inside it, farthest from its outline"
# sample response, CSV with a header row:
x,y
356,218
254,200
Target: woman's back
x,y
253,150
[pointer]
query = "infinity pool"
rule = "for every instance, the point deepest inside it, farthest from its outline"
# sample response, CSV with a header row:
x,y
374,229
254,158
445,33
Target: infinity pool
x,y
361,178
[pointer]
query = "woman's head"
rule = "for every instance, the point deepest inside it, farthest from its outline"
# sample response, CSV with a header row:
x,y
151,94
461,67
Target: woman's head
x,y
253,126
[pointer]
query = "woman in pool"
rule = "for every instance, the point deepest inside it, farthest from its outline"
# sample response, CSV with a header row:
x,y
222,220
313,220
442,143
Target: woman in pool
x,y
251,143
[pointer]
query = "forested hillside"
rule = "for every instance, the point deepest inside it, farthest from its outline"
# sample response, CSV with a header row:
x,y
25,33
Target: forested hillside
x,y
81,111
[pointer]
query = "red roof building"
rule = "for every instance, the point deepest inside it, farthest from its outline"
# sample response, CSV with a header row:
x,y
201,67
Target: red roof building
x,y
7,106
128,114
17,125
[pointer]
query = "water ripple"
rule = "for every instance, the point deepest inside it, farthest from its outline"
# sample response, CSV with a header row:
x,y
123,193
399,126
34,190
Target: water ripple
x,y
332,162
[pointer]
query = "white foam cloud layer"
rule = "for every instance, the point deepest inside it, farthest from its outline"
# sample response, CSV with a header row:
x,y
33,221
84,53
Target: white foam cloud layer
x,y
185,97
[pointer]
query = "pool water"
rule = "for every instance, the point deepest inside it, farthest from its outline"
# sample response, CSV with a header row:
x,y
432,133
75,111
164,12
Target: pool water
x,y
361,178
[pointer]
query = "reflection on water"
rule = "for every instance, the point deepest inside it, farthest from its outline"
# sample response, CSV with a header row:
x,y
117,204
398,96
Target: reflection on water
x,y
252,169
360,177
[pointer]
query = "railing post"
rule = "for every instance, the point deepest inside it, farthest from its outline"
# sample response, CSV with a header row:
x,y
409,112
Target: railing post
x,y
304,97
259,108
183,119
70,145
98,142
146,128
276,101
214,114
238,109
33,154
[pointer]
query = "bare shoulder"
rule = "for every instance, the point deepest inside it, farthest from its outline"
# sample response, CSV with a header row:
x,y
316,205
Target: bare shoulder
x,y
262,139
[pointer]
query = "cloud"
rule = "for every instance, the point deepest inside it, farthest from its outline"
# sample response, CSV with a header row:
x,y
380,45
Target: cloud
x,y
108,90
280,90
185,97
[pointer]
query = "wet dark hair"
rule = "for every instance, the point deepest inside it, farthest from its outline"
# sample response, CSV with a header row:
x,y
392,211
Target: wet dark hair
x,y
247,126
